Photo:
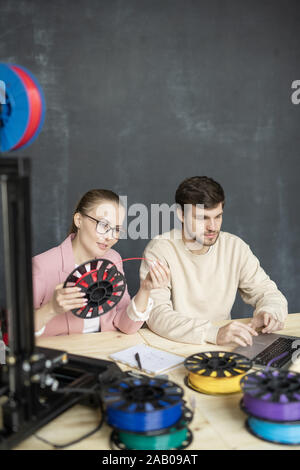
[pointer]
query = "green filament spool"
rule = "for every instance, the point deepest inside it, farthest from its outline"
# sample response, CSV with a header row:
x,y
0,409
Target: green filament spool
x,y
178,439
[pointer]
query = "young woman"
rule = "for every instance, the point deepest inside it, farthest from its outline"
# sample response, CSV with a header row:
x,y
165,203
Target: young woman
x,y
96,228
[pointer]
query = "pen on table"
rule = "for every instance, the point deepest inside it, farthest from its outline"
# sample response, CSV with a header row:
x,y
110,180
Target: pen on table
x,y
138,360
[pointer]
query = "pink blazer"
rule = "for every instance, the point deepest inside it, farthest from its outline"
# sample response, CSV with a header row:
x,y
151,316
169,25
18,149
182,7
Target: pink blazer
x,y
53,267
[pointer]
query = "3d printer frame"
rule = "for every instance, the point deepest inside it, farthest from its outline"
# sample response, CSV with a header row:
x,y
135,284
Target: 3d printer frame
x,y
32,377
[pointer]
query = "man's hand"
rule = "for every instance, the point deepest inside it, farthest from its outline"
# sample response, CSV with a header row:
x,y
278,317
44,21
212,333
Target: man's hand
x,y
236,332
267,321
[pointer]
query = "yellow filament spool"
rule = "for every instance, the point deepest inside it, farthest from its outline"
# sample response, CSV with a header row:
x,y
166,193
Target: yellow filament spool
x,y
216,372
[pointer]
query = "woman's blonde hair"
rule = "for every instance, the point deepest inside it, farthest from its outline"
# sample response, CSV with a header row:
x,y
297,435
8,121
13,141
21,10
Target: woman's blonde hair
x,y
91,199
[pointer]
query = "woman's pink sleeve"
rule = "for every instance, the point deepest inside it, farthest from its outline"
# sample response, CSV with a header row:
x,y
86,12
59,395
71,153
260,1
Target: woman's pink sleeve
x,y
38,285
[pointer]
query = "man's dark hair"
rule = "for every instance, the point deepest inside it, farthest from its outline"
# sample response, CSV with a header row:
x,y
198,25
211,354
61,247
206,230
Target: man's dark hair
x,y
200,190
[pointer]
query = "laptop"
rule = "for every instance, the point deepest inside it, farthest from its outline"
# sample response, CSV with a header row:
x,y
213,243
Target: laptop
x,y
267,347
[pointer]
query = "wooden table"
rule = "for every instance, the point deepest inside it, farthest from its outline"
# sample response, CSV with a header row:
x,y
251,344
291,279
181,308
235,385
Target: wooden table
x,y
218,421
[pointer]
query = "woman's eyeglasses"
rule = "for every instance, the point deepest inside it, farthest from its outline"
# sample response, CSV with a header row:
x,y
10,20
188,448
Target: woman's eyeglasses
x,y
103,227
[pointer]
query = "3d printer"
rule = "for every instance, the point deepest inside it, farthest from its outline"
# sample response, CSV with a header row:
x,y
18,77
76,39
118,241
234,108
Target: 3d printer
x,y
38,383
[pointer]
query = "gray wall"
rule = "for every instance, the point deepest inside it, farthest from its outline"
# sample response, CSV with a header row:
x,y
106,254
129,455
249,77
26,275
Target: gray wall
x,y
143,93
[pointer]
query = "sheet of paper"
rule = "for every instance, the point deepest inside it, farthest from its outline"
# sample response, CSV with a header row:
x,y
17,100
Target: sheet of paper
x,y
153,361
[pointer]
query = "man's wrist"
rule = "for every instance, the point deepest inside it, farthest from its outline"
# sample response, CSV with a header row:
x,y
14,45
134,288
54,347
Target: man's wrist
x,y
211,334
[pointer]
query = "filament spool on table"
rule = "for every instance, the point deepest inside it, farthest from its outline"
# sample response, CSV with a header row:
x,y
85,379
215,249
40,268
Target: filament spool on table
x,y
272,394
287,433
143,404
176,438
272,401
102,283
147,413
216,372
22,112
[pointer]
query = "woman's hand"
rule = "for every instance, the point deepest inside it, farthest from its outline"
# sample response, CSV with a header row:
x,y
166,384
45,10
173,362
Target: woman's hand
x,y
62,301
157,277
67,298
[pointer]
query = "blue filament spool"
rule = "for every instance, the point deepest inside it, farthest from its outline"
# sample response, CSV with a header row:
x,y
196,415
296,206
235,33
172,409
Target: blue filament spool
x,y
280,433
143,404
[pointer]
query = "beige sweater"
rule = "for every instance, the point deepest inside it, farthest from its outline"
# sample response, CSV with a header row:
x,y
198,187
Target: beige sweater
x,y
203,288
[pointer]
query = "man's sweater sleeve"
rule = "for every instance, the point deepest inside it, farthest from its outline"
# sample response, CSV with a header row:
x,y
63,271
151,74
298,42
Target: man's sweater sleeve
x,y
163,319
257,289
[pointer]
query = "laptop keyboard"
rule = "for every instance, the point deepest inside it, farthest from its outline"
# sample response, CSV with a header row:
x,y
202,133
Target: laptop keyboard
x,y
275,349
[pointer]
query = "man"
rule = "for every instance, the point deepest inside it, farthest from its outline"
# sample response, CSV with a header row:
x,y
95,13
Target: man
x,y
207,267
